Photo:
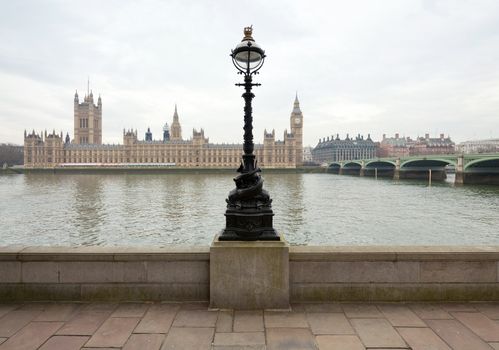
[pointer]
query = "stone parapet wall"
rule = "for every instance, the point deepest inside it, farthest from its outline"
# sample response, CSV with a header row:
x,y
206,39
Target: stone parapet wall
x,y
394,273
327,273
94,273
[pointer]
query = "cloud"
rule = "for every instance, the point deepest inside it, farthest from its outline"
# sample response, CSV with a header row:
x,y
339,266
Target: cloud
x,y
360,66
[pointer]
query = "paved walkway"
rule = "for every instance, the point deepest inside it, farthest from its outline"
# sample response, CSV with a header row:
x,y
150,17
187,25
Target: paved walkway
x,y
154,326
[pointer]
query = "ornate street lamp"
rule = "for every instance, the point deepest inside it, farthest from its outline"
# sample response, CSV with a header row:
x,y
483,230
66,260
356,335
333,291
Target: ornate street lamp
x,y
249,210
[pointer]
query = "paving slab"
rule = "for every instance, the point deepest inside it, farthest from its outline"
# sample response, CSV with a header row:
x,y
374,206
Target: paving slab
x,y
494,346
196,318
377,333
339,342
329,323
144,342
6,308
58,312
480,324
248,321
290,339
158,319
64,342
15,320
114,332
457,335
455,307
130,310
361,311
422,339
200,305
326,307
238,347
489,310
224,321
285,319
430,312
401,316
84,323
189,338
32,336
104,307
240,339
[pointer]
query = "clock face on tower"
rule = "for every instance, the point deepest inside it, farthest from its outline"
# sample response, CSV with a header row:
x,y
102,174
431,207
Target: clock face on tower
x,y
297,120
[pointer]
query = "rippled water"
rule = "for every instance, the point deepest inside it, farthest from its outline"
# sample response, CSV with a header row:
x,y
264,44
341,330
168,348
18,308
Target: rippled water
x,y
314,209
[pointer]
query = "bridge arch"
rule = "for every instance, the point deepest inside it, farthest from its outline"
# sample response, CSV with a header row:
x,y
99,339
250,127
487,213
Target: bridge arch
x,y
483,163
426,163
380,164
334,165
334,168
353,164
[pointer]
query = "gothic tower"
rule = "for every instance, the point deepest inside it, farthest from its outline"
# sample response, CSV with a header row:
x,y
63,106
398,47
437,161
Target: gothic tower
x,y
296,120
175,129
87,120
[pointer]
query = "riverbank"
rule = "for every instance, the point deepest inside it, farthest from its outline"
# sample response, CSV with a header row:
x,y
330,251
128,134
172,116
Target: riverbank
x,y
157,170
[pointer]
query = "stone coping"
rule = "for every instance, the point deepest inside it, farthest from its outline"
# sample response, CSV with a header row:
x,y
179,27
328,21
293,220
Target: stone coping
x,y
96,253
393,253
296,253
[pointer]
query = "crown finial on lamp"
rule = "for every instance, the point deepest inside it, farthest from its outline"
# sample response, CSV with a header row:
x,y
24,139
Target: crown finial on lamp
x,y
247,33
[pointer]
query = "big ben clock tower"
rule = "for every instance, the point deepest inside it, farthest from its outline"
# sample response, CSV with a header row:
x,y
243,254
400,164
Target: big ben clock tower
x,y
296,121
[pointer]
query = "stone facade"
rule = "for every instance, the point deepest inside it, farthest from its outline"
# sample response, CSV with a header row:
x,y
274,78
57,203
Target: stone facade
x,y
87,120
86,149
334,149
405,146
479,146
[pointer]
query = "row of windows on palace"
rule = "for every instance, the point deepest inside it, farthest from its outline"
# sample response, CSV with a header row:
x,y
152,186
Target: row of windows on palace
x,y
120,156
84,123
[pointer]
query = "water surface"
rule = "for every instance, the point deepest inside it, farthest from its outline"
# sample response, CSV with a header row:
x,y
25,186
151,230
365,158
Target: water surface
x,y
187,209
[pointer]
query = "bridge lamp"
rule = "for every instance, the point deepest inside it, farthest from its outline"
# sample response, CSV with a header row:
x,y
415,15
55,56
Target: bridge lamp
x,y
249,212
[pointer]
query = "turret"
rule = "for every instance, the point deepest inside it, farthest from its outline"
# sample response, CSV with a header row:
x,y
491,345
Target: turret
x,y
166,133
148,135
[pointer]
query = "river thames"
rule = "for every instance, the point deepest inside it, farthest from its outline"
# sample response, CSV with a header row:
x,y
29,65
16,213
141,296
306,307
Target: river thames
x,y
188,209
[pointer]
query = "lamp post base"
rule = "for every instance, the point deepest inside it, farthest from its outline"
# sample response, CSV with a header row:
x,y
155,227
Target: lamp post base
x,y
249,213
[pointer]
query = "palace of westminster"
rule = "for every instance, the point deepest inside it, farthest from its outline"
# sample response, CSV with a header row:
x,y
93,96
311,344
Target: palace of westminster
x,y
53,150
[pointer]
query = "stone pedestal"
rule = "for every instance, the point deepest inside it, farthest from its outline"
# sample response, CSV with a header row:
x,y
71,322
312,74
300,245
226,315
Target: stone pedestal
x,y
249,274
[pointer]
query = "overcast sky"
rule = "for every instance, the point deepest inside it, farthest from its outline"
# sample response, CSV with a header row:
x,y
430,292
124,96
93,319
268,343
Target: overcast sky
x,y
359,66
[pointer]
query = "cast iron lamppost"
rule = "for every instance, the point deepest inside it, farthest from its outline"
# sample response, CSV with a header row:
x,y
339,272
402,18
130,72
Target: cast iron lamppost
x,y
249,210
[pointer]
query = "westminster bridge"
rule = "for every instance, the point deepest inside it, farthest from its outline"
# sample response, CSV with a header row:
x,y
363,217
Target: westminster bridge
x,y
469,168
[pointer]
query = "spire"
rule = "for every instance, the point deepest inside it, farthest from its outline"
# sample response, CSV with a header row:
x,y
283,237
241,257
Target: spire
x,y
88,85
175,114
296,105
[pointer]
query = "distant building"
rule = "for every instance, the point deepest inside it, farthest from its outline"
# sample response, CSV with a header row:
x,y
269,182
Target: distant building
x,y
333,149
11,154
405,146
479,146
86,148
307,155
